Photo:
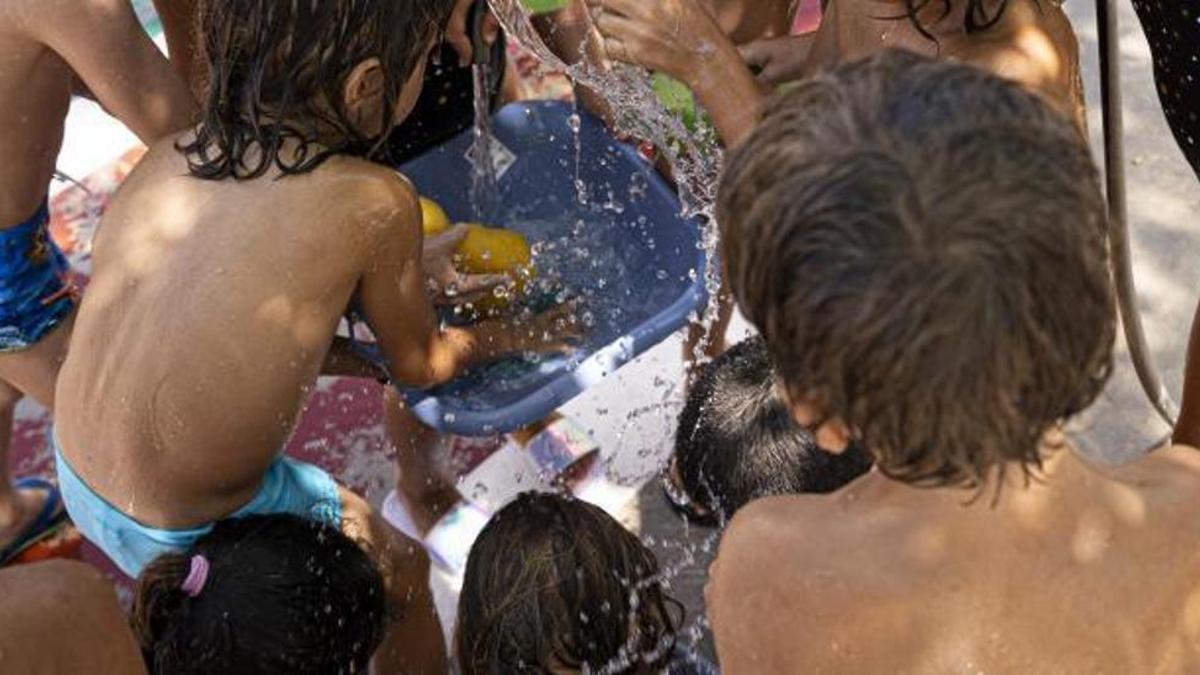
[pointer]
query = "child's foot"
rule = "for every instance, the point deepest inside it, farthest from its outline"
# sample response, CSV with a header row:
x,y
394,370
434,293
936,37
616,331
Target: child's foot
x,y
34,512
20,516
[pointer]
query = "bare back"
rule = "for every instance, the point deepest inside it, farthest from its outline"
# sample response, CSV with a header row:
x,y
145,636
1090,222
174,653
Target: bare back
x,y
1091,570
206,323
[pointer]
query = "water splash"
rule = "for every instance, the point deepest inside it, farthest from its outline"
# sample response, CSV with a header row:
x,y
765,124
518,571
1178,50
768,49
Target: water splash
x,y
485,190
694,157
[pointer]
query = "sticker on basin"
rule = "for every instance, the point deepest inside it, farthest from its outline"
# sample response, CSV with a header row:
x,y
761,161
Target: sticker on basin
x,y
502,157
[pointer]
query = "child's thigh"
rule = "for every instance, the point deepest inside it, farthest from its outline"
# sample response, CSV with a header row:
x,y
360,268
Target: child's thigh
x,y
34,371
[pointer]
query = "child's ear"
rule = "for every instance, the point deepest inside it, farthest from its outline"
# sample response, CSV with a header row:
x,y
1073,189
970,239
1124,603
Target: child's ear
x,y
364,89
830,434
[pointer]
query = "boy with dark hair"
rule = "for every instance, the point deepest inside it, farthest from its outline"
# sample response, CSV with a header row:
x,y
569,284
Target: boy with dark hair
x,y
922,245
47,47
222,270
737,442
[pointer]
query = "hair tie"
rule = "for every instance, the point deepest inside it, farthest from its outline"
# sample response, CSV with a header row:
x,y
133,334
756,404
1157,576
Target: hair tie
x,y
196,578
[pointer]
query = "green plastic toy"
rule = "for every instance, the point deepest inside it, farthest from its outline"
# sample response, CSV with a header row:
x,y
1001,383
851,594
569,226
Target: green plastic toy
x,y
544,6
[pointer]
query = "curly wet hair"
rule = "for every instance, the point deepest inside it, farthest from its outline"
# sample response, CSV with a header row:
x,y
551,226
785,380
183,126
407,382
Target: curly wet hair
x,y
923,246
275,72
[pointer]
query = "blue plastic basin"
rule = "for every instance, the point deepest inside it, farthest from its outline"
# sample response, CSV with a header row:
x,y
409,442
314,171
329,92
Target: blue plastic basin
x,y
639,280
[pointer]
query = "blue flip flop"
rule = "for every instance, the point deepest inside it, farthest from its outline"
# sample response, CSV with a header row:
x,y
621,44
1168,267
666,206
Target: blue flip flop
x,y
47,522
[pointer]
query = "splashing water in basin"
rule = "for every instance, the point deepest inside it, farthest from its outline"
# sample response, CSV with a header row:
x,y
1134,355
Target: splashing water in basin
x,y
694,156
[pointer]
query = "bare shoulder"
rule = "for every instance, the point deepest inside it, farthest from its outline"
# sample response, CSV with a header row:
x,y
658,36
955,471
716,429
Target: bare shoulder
x,y
1034,45
1170,473
376,198
787,590
804,535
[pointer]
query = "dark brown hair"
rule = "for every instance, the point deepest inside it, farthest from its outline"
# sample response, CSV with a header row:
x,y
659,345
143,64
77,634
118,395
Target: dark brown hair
x,y
276,69
283,595
923,246
553,582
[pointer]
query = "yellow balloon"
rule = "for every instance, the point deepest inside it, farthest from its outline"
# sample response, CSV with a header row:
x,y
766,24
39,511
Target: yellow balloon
x,y
487,250
433,217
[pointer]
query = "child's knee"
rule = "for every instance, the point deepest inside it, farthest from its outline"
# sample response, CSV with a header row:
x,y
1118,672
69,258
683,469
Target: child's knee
x,y
9,397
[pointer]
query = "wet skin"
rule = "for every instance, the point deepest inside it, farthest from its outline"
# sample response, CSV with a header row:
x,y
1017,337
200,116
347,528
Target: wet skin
x,y
1089,569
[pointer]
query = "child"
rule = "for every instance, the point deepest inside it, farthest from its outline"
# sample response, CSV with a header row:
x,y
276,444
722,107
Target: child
x,y
1027,41
63,617
556,585
46,45
737,442
922,245
262,595
222,270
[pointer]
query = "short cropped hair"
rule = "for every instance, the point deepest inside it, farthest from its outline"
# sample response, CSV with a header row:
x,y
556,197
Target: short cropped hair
x,y
737,441
923,246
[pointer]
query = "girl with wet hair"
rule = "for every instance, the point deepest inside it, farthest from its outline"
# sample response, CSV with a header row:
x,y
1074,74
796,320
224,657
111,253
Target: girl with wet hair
x,y
262,595
555,585
277,71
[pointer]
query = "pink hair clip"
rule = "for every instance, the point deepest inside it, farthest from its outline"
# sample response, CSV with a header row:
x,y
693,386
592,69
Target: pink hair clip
x,y
196,578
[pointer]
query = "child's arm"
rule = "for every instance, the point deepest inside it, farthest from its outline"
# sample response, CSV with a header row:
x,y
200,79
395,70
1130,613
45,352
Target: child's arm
x,y
105,45
1187,428
568,34
681,39
394,297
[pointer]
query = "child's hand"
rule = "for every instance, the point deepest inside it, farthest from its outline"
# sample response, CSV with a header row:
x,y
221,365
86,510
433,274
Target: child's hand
x,y
555,331
458,33
777,61
449,286
676,37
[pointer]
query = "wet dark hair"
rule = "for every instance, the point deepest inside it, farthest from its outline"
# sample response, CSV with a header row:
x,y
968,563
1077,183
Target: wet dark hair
x,y
737,441
923,246
284,595
553,582
276,69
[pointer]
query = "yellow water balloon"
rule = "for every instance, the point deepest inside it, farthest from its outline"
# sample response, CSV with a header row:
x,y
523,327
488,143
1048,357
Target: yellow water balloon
x,y
433,217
